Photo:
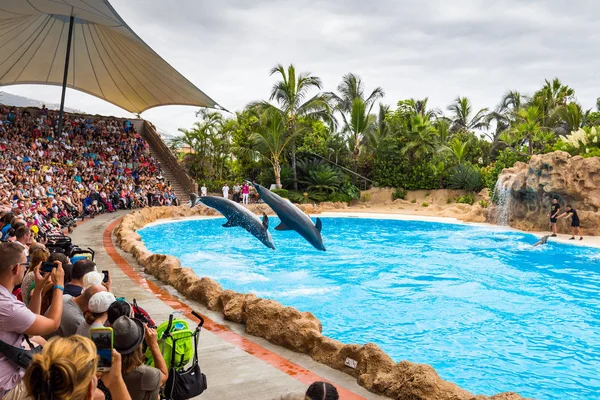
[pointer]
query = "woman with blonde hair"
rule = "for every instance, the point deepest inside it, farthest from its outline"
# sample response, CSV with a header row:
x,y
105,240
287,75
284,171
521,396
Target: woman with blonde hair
x,y
66,370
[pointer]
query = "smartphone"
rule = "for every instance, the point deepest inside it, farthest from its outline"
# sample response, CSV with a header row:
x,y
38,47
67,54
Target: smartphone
x,y
47,267
105,279
103,339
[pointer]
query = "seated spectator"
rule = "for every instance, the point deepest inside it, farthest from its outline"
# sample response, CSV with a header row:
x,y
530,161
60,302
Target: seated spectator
x,y
66,370
15,318
143,381
80,268
24,238
97,314
6,224
74,309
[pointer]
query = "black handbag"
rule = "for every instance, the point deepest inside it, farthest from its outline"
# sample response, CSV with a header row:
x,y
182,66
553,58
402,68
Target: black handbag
x,y
184,384
19,355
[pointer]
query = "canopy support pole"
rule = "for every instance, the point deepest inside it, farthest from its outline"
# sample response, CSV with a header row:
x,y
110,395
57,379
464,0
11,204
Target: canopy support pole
x,y
64,85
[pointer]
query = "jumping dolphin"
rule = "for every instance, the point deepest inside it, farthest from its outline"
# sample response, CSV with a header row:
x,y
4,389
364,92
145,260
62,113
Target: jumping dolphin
x,y
292,218
543,240
238,216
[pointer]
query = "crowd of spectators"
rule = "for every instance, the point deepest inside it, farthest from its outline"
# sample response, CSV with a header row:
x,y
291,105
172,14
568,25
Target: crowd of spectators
x,y
47,315
55,317
95,165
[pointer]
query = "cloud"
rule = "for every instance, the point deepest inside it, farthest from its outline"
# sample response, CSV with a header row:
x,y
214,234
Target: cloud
x,y
439,49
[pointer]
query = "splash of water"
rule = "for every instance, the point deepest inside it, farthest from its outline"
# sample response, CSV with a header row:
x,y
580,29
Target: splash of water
x,y
503,203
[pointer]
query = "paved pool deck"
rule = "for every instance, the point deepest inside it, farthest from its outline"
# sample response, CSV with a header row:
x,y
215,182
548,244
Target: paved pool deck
x,y
237,365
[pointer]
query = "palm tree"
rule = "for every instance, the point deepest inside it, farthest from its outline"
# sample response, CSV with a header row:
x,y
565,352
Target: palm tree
x,y
442,125
568,118
422,138
457,149
290,93
526,128
272,140
420,107
360,124
377,136
351,88
550,97
462,119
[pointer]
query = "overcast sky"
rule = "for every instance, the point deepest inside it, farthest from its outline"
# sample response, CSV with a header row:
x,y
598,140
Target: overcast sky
x,y
411,48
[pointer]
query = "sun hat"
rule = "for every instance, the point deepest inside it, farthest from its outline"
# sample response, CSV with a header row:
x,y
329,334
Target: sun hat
x,y
100,302
128,334
92,278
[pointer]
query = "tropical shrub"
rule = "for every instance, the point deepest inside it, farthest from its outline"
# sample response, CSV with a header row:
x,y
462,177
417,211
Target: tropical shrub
x,y
366,197
425,204
307,197
466,199
580,142
484,203
322,178
282,192
399,193
466,177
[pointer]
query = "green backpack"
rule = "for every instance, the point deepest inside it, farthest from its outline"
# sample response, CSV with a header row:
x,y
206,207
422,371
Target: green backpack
x,y
182,335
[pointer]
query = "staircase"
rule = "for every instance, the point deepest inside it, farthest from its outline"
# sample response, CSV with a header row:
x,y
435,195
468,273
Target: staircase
x,y
173,172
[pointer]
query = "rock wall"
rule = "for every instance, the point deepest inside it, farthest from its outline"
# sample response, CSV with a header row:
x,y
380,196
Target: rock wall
x,y
286,326
573,180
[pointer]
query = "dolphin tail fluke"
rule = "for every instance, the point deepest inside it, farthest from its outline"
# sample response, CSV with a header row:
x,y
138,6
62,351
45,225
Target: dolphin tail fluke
x,y
265,221
319,225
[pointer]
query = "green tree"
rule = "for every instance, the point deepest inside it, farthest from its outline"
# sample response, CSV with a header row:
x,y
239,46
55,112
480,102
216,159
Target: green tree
x,y
290,94
360,125
526,129
421,139
462,117
271,140
350,89
457,148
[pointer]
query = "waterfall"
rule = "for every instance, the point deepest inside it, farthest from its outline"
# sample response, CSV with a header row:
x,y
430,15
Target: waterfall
x,y
503,202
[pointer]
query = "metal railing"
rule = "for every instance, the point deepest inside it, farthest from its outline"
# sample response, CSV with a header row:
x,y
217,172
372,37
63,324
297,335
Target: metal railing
x,y
168,158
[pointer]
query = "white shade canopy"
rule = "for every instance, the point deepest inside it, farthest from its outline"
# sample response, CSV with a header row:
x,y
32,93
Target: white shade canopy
x,y
108,59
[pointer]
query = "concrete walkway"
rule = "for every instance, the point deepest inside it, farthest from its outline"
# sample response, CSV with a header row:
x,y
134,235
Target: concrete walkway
x,y
237,365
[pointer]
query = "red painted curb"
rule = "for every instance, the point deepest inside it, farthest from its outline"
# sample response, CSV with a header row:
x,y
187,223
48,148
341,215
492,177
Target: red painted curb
x,y
300,373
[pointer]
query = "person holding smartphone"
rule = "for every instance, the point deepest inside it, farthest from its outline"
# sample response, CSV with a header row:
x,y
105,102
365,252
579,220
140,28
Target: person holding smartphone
x,y
143,381
16,320
72,362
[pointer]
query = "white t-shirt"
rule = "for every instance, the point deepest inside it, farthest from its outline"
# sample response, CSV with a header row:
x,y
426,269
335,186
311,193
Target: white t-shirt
x,y
203,190
225,191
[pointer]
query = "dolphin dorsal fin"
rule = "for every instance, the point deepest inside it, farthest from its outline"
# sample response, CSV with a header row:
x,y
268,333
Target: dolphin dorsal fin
x,y
319,225
265,221
283,227
230,223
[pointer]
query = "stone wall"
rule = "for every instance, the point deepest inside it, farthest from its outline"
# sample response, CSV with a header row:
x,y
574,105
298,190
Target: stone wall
x,y
573,180
286,326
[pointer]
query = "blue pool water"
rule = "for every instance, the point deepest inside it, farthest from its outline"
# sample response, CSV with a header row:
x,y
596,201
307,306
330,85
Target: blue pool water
x,y
480,305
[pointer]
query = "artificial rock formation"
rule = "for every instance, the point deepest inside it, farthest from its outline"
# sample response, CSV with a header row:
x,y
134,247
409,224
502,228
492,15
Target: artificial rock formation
x,y
531,187
287,326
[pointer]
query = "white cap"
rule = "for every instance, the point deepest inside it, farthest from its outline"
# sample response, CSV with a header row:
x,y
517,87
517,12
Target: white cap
x,y
100,302
92,278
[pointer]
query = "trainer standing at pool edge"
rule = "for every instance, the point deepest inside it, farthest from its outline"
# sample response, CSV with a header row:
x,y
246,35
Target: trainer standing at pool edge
x,y
574,221
553,214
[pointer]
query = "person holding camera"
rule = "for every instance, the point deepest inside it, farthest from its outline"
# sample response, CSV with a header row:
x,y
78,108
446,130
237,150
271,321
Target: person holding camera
x,y
143,381
16,320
